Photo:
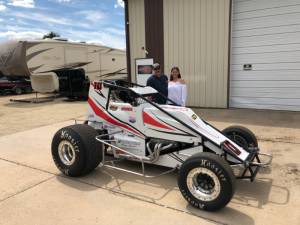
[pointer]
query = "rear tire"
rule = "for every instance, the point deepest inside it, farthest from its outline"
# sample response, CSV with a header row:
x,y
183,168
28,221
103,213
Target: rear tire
x,y
241,136
206,181
75,150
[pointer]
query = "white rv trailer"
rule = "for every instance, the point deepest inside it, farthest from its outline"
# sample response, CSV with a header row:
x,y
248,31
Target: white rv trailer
x,y
58,65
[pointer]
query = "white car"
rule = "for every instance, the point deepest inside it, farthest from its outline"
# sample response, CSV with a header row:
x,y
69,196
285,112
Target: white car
x,y
123,122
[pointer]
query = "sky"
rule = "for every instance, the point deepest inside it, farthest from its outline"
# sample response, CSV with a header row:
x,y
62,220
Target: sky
x,y
92,21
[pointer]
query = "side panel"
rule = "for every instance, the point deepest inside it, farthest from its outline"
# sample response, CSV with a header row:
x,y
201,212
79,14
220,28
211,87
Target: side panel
x,y
43,57
111,62
76,54
93,68
196,40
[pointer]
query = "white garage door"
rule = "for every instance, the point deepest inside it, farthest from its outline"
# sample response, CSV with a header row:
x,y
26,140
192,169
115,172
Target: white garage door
x,y
265,63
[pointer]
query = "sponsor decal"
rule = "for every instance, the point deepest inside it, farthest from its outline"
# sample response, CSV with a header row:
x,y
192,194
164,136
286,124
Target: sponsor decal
x,y
194,116
132,119
177,108
97,85
231,148
106,116
106,126
113,107
126,108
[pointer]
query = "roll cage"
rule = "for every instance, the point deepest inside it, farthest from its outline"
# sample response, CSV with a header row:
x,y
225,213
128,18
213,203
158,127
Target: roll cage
x,y
128,92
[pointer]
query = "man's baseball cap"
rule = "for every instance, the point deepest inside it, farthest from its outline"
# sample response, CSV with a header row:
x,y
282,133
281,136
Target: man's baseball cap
x,y
156,66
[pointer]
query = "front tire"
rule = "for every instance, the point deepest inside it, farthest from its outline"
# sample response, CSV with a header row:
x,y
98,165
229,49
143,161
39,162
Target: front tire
x,y
75,150
206,181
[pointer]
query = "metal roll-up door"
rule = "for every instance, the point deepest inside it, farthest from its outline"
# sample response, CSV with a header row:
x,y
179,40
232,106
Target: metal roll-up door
x,y
265,59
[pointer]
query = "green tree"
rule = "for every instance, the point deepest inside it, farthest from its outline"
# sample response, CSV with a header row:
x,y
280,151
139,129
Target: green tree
x,y
51,35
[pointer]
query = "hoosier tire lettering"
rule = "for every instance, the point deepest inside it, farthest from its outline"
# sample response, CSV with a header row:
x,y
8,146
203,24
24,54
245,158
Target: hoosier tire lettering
x,y
65,135
208,164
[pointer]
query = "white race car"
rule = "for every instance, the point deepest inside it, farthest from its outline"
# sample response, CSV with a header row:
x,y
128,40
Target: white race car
x,y
124,123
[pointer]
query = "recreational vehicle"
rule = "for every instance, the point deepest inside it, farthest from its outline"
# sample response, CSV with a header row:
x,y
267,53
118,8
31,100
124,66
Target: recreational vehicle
x,y
61,66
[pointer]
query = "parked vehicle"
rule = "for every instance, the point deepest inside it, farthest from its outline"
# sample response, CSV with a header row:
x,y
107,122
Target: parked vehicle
x,y
14,85
61,66
123,122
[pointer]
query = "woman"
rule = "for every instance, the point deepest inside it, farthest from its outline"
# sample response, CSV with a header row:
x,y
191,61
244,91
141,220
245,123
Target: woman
x,y
177,87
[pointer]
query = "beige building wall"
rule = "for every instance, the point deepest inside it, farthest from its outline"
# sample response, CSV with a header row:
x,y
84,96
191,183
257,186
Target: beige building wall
x,y
136,13
196,36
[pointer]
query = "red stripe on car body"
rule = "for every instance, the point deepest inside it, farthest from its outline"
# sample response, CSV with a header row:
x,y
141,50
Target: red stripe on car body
x,y
149,120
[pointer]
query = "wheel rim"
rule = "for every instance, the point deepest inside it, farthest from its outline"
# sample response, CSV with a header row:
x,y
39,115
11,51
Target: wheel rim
x,y
203,184
66,153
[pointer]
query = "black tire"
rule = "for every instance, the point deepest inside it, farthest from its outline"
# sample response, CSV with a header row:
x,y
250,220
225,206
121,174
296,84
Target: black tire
x,y
28,90
18,90
88,151
241,136
214,171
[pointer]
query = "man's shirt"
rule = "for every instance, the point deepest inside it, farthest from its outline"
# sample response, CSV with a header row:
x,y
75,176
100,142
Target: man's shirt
x,y
161,85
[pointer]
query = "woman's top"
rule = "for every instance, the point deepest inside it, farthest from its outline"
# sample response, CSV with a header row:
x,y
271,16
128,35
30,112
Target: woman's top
x,y
177,92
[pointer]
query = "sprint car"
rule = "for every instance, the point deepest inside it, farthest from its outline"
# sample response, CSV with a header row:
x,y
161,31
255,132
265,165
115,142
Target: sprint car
x,y
124,123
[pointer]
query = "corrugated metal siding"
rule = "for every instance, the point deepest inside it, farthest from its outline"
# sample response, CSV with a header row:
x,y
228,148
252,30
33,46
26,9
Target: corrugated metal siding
x,y
196,39
136,11
266,34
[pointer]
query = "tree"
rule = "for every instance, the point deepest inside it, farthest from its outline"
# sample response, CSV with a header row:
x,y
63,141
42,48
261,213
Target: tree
x,y
51,35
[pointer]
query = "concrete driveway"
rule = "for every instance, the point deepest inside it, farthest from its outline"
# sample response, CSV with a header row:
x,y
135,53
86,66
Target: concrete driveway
x,y
33,191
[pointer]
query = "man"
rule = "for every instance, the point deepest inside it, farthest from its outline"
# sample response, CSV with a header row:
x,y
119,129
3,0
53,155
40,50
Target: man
x,y
159,82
